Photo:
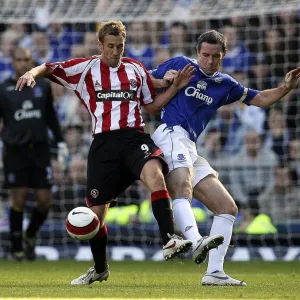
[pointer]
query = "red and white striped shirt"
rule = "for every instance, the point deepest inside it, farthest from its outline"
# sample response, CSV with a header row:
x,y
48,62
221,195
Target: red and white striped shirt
x,y
113,96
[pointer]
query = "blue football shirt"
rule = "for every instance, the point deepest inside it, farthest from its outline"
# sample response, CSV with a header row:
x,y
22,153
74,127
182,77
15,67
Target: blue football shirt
x,y
195,104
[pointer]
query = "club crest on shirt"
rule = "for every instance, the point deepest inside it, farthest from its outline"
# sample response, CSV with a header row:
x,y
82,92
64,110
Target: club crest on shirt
x,y
27,104
181,157
201,85
133,83
218,80
94,193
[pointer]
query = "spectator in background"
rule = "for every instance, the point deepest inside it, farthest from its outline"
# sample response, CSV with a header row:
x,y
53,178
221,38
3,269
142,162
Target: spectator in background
x,y
90,44
65,104
294,159
270,63
73,137
77,173
260,74
139,45
156,29
86,122
289,21
272,56
291,111
212,147
247,30
282,200
162,54
58,175
41,49
278,136
61,39
176,38
9,41
69,192
251,170
231,128
251,116
234,120
42,14
238,57
77,51
212,150
286,22
25,40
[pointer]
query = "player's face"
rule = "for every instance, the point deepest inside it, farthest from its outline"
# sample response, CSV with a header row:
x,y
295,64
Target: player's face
x,y
22,61
112,50
210,57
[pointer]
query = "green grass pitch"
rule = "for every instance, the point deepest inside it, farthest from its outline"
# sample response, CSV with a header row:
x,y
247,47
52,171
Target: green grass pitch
x,y
147,280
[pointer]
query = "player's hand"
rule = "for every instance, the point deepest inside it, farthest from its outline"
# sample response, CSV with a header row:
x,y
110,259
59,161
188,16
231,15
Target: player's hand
x,y
183,77
168,78
291,79
27,79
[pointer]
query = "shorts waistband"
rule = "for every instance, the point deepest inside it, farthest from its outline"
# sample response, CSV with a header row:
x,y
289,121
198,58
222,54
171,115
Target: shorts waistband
x,y
117,131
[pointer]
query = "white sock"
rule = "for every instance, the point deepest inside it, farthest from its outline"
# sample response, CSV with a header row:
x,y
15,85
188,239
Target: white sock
x,y
222,224
185,219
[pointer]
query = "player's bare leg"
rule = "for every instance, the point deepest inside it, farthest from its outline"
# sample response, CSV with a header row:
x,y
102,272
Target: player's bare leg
x,y
19,196
153,178
179,183
100,271
216,198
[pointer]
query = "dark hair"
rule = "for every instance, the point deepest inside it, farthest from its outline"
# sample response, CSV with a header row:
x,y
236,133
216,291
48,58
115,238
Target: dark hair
x,y
179,24
212,37
111,28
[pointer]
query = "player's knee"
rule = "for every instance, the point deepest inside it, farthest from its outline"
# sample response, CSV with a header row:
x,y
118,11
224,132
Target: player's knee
x,y
157,183
18,205
230,208
44,207
44,204
180,189
233,209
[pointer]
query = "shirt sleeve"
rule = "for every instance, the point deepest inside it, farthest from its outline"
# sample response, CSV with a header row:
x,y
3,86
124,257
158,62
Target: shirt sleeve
x,y
68,73
240,93
148,92
161,70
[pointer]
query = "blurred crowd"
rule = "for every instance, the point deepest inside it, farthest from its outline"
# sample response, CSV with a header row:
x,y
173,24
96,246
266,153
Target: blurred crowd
x,y
256,151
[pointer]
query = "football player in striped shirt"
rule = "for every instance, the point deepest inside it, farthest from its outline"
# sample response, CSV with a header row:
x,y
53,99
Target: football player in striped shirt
x,y
113,89
183,120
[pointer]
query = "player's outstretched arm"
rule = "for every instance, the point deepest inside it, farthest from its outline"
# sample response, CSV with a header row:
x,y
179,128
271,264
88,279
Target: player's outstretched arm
x,y
268,97
28,79
180,80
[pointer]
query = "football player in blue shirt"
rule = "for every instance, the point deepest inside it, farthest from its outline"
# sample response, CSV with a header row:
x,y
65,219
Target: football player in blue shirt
x,y
183,120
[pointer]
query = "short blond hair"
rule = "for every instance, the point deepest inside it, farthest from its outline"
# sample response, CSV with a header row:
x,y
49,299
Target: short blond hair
x,y
111,28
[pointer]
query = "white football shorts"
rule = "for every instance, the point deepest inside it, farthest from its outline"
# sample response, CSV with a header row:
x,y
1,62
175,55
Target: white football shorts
x,y
181,152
